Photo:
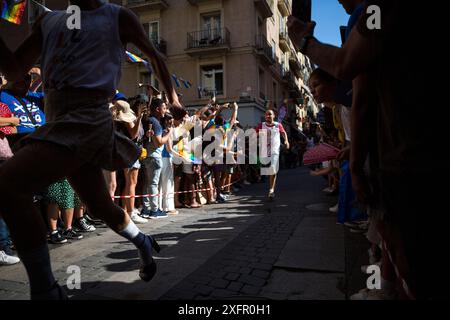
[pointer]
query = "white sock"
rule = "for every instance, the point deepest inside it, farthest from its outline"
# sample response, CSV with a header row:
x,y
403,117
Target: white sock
x,y
140,240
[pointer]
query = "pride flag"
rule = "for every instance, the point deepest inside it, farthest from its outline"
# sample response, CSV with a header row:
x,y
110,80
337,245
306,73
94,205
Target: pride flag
x,y
134,58
12,10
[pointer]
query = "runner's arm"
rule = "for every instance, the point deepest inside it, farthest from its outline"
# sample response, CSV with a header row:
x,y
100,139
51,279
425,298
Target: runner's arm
x,y
131,31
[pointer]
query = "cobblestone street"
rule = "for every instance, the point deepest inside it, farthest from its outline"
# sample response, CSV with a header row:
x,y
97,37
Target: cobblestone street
x,y
247,248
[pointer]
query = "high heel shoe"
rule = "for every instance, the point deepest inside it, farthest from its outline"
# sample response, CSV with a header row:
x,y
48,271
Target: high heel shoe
x,y
147,272
155,244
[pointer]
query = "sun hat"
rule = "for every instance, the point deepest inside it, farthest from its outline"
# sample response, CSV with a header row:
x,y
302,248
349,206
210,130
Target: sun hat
x,y
121,111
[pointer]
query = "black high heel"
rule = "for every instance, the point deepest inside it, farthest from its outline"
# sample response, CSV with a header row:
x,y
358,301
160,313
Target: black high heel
x,y
155,244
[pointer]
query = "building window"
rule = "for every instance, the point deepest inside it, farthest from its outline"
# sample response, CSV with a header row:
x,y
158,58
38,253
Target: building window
x,y
274,49
147,78
211,26
260,26
212,80
274,92
152,30
211,21
262,85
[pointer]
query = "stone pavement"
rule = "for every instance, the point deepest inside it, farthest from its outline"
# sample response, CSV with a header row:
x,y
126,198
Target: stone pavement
x,y
247,248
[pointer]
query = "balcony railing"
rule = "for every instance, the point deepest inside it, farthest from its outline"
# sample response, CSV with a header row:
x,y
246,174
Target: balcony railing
x,y
196,2
285,7
289,79
161,45
147,4
284,40
264,49
295,66
265,7
206,93
209,39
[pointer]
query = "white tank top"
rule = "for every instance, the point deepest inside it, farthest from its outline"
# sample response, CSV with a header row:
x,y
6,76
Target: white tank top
x,y
273,138
90,57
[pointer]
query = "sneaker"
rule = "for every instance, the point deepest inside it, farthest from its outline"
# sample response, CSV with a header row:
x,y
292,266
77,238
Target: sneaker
x,y
81,225
56,237
7,260
335,208
158,214
220,198
145,213
246,183
351,225
72,234
9,251
136,211
137,219
271,196
93,221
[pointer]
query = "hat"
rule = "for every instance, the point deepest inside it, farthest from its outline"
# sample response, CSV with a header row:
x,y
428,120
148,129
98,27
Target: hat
x,y
121,111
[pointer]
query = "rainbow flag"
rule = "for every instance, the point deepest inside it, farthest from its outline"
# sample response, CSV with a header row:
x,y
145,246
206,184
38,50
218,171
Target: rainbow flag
x,y
12,10
134,58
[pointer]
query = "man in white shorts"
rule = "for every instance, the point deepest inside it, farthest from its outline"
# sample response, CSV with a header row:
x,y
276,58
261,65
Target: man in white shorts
x,y
274,132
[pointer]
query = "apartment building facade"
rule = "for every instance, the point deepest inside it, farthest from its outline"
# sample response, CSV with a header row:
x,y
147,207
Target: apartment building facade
x,y
238,50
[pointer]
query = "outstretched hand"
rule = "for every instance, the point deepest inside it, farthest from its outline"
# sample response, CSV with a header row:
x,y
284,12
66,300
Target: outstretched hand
x,y
298,29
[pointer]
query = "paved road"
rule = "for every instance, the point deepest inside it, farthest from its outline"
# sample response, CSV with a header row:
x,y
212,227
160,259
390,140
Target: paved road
x,y
247,248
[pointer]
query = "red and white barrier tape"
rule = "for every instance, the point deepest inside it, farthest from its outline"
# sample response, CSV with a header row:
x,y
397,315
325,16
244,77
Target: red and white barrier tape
x,y
167,193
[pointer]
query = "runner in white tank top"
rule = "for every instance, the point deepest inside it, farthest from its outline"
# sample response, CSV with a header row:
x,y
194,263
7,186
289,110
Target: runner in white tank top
x,y
274,132
81,70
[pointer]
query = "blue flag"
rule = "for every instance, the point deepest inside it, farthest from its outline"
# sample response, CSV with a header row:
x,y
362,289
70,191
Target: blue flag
x,y
174,76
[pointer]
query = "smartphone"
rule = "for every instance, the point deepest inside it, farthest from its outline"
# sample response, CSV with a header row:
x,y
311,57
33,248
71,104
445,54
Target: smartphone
x,y
301,9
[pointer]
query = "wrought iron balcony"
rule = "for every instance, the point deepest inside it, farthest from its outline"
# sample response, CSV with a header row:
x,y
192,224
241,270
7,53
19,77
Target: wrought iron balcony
x,y
161,45
203,41
285,7
265,7
289,79
264,49
206,93
197,2
139,5
296,66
